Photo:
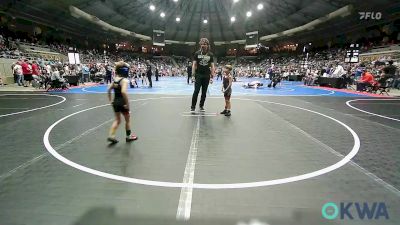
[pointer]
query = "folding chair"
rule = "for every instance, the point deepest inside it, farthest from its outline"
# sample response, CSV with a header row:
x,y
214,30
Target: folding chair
x,y
349,82
385,88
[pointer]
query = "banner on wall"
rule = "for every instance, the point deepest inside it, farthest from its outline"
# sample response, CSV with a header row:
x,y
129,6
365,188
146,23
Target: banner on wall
x,y
378,56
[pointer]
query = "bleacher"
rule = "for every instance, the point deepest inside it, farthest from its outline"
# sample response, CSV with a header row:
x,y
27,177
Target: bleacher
x,y
33,51
384,48
33,47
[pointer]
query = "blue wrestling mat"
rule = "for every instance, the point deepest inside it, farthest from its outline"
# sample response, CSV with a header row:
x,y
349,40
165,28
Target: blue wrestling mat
x,y
178,86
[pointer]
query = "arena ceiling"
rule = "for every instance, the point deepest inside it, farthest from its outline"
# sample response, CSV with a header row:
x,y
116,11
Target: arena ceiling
x,y
136,16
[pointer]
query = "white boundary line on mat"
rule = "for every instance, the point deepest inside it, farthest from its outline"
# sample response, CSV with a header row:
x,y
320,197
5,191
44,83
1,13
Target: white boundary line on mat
x,y
30,110
346,159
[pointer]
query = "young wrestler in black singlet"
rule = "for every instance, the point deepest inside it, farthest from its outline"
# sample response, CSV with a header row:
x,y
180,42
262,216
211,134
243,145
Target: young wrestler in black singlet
x,y
120,102
227,89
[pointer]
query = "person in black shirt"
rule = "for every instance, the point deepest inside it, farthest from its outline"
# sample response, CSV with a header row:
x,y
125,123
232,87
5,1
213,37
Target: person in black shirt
x,y
157,74
93,71
203,70
149,73
189,72
108,73
219,74
390,70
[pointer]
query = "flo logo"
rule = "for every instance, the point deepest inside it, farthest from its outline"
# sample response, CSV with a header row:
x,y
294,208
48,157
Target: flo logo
x,y
354,210
370,15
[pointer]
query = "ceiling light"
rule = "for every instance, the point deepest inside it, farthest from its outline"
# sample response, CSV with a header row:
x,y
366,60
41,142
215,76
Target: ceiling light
x,y
175,0
205,21
152,7
234,1
233,19
162,14
248,14
260,6
178,19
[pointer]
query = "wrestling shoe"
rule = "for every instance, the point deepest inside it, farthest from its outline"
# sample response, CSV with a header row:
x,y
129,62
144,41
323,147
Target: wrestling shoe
x,y
131,137
112,140
223,112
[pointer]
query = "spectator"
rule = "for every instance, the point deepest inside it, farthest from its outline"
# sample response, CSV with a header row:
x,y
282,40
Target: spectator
x,y
19,73
189,72
108,73
35,70
27,72
389,70
85,74
339,71
149,73
367,79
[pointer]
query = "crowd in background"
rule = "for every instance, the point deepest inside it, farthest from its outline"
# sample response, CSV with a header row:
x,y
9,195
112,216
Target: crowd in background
x,y
321,64
96,65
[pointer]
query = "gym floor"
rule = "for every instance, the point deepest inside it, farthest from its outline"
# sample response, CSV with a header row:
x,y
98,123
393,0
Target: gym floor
x,y
278,159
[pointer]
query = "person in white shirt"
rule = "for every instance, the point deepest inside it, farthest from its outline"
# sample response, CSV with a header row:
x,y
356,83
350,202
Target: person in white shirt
x,y
18,72
66,70
48,69
285,75
339,71
55,75
310,77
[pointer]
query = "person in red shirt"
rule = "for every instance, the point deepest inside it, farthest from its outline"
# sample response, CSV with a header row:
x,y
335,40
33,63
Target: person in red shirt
x,y
35,69
27,72
36,75
367,79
